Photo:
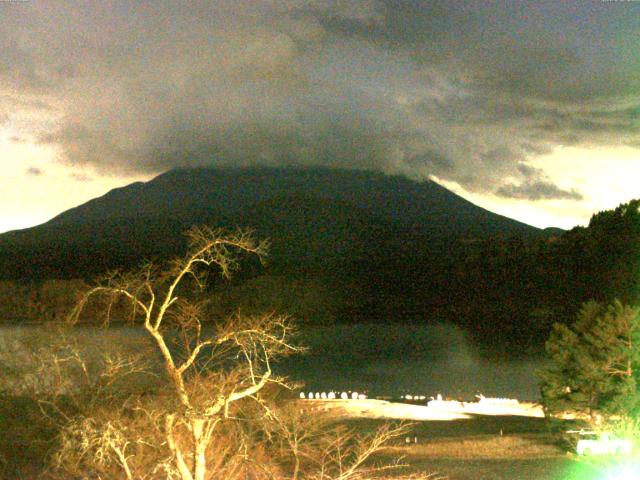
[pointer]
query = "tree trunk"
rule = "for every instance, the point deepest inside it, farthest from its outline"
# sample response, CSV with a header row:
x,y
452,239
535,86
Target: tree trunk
x,y
296,467
199,449
183,470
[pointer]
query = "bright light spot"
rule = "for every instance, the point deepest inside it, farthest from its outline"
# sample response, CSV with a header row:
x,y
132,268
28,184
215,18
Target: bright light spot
x,y
624,473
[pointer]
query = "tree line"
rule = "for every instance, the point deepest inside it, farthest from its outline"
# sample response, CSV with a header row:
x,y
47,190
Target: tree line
x,y
507,292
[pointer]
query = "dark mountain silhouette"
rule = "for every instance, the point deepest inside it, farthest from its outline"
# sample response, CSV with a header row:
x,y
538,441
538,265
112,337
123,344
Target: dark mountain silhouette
x,y
347,246
316,218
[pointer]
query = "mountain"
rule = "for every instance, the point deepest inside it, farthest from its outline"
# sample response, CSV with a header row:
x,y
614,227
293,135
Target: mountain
x,y
316,218
346,246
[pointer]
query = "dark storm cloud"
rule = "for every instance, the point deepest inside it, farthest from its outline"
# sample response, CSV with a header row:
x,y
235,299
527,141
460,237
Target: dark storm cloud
x,y
535,186
464,91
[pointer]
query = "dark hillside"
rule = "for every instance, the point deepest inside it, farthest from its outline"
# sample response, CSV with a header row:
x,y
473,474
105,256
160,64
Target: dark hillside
x,y
352,246
312,215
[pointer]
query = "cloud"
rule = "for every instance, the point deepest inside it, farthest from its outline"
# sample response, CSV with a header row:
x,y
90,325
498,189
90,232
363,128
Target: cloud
x,y
34,172
364,13
537,190
535,185
466,92
80,177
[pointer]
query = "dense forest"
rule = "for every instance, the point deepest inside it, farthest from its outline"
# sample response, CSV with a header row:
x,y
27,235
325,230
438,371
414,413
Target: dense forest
x,y
506,291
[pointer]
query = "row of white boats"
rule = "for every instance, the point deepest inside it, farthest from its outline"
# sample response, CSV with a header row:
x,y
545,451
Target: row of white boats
x,y
436,408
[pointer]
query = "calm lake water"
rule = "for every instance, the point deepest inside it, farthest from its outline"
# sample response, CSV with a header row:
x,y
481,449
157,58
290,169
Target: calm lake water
x,y
380,359
397,359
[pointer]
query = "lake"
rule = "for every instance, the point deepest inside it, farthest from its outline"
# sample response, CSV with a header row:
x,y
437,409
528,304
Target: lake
x,y
397,359
380,359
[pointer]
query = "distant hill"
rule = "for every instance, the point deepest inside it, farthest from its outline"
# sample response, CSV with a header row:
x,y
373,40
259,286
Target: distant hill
x,y
314,216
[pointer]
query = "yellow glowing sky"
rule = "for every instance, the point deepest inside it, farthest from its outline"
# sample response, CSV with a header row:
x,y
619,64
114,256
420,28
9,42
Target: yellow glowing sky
x,y
27,200
605,176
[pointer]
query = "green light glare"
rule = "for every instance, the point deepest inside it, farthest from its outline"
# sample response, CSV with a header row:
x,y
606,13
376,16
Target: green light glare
x,y
603,468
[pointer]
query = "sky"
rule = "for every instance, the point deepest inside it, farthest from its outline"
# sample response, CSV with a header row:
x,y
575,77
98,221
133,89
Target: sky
x,y
530,109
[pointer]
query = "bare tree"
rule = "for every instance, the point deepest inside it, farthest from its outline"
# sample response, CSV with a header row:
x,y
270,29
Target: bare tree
x,y
198,399
52,370
322,449
208,367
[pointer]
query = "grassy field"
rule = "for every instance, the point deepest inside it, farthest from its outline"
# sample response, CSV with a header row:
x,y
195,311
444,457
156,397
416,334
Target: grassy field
x,y
483,448
476,450
513,457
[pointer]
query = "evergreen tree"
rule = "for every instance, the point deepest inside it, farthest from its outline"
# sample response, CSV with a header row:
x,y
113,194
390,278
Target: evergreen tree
x,y
594,365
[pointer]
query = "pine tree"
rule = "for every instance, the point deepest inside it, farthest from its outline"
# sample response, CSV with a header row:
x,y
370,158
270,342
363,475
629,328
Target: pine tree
x,y
594,365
